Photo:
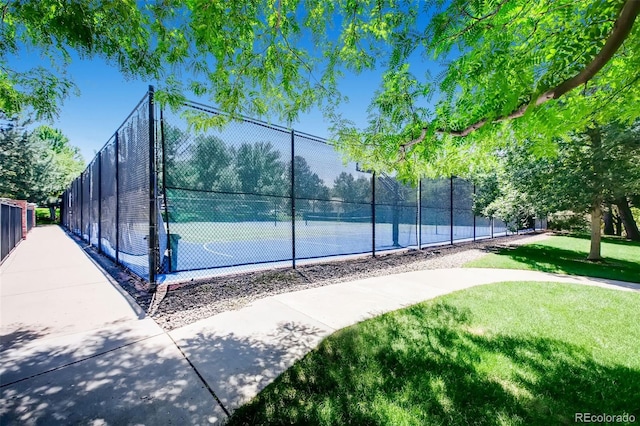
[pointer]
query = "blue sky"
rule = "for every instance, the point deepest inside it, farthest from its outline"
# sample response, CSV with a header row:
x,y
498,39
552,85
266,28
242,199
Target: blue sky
x,y
107,97
105,100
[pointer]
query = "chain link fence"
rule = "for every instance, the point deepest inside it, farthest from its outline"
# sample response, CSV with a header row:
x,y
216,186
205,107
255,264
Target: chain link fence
x,y
164,198
108,205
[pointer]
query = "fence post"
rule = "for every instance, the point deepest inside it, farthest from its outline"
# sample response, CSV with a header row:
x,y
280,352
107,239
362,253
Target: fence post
x,y
293,202
474,213
420,214
373,214
90,201
67,208
491,227
81,181
117,196
169,247
99,158
451,207
62,210
153,219
79,205
71,205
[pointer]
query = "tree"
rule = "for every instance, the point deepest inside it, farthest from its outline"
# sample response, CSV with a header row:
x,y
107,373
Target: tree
x,y
178,171
352,190
499,196
517,73
210,161
626,217
260,170
519,67
67,158
308,187
56,29
16,159
590,169
36,166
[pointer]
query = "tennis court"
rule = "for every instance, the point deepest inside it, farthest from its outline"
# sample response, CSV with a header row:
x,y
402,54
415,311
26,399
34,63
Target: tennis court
x,y
222,247
226,199
210,245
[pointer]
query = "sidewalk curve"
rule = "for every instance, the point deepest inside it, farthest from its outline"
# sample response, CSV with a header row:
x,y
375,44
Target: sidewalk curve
x,y
240,352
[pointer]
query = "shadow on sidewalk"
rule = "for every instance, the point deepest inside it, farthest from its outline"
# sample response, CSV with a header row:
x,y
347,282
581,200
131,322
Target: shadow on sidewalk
x,y
237,366
20,337
103,380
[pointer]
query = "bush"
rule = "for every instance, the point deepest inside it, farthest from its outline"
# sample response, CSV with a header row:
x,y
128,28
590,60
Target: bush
x,y
568,221
42,216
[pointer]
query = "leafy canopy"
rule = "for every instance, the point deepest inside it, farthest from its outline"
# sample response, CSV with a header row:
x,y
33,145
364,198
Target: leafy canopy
x,y
555,65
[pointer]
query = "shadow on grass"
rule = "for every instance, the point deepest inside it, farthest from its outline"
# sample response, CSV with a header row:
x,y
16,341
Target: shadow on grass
x,y
609,239
573,262
431,366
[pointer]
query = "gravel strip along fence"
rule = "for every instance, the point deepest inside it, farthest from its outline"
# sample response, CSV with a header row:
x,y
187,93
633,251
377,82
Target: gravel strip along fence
x,y
184,304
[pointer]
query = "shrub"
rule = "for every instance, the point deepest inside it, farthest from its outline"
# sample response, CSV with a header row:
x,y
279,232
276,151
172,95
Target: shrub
x,y
568,221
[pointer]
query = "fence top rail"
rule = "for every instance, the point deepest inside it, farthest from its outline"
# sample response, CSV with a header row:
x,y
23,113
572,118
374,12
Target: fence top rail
x,y
216,111
312,137
246,119
10,202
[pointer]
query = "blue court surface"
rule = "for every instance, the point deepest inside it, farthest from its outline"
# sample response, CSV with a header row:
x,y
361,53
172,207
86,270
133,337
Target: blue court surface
x,y
209,249
206,249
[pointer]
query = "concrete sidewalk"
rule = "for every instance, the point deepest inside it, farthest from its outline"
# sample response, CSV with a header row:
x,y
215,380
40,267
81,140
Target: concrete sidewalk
x,y
76,349
240,352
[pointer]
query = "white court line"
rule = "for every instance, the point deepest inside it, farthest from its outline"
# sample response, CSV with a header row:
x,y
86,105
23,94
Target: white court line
x,y
318,244
204,246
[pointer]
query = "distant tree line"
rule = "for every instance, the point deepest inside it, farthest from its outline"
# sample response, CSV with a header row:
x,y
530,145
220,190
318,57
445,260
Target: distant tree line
x,y
36,165
203,168
596,172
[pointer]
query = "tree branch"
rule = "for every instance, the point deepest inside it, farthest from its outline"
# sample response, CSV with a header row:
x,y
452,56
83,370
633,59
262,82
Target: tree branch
x,y
4,11
619,33
476,20
621,30
404,146
488,15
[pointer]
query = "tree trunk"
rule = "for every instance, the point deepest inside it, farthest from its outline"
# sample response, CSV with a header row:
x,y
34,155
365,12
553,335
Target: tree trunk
x,y
617,224
596,217
627,219
596,185
608,221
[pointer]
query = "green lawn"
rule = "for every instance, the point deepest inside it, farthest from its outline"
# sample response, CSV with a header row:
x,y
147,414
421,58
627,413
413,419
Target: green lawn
x,y
568,255
511,353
